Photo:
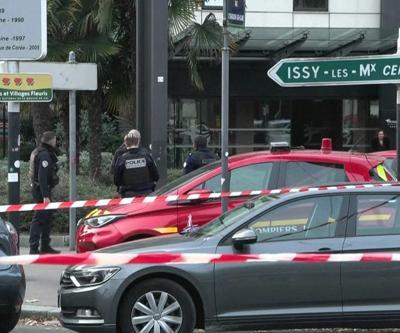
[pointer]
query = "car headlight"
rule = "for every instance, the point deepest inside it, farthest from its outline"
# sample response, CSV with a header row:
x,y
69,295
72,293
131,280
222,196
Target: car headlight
x,y
100,221
92,276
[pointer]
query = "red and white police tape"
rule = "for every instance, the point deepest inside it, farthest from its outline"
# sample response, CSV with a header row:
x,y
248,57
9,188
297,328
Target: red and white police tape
x,y
113,259
172,198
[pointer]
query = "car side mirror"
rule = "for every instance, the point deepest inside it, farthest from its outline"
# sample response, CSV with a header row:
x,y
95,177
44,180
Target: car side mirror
x,y
243,237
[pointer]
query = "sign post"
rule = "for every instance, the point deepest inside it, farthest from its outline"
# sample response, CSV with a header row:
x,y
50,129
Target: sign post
x,y
72,158
234,17
398,118
14,153
225,111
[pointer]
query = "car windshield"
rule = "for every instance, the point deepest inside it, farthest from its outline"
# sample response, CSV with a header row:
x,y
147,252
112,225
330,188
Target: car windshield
x,y
186,178
231,217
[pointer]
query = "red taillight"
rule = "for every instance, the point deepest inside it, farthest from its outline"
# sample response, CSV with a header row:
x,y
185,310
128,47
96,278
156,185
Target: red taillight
x,y
326,145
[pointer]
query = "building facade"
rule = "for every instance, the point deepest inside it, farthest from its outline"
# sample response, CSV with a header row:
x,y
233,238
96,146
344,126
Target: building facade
x,y
261,112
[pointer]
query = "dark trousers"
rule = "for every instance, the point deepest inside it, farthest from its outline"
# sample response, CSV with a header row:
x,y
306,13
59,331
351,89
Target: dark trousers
x,y
41,223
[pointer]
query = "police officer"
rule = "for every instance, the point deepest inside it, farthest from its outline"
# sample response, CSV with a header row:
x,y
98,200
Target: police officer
x,y
200,157
135,172
43,172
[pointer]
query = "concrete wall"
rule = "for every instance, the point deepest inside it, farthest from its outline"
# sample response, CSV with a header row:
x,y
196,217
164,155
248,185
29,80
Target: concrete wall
x,y
279,13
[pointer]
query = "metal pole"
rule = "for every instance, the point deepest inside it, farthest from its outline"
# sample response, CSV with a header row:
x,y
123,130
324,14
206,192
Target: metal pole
x,y
398,132
14,151
4,132
398,119
225,112
72,159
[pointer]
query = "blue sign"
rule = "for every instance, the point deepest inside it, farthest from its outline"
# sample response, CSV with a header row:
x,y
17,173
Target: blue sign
x,y
236,12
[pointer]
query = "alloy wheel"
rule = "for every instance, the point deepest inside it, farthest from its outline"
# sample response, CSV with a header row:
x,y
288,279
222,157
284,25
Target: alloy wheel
x,y
156,312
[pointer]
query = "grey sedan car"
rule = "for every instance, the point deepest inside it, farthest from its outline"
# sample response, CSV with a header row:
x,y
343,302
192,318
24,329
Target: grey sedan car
x,y
234,296
12,280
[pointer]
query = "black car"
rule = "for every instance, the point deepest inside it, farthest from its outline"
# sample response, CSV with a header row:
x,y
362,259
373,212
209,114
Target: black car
x,y
12,280
253,295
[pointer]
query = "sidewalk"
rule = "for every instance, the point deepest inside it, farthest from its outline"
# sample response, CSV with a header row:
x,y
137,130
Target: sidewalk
x,y
42,283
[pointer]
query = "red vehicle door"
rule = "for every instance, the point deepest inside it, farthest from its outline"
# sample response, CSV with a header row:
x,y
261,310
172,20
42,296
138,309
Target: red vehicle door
x,y
254,177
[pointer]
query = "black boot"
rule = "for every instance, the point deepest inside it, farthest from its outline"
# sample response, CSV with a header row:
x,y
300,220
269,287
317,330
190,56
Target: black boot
x,y
34,250
48,250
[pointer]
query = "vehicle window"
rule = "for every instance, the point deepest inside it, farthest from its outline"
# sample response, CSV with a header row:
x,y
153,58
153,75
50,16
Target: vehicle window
x,y
187,178
235,215
253,177
390,163
310,218
377,215
306,173
382,173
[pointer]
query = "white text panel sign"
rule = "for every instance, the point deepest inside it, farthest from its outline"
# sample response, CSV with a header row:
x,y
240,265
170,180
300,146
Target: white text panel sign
x,y
23,29
80,76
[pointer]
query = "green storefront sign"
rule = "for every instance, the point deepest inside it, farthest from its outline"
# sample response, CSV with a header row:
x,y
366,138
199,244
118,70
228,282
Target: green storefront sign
x,y
336,71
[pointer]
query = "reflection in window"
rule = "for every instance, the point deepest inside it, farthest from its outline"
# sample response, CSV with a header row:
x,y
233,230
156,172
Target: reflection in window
x,y
248,178
303,219
253,177
378,215
310,5
305,173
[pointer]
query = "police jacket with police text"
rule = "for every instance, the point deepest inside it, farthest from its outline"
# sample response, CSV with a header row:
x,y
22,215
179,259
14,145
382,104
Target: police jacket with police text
x,y
135,171
197,159
43,169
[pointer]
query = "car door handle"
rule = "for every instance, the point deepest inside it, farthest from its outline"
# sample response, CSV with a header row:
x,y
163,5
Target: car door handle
x,y
325,249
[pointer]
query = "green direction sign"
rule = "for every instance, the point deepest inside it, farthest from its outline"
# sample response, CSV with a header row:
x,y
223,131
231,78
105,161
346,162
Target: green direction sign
x,y
297,72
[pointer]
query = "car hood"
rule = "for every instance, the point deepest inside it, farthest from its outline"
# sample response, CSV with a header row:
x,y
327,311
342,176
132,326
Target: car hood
x,y
174,243
131,209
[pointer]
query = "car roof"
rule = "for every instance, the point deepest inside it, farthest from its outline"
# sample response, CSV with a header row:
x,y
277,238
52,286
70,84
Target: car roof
x,y
385,153
344,188
339,155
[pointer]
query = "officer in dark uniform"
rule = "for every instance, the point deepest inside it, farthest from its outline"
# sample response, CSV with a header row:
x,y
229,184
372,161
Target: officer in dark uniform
x,y
43,172
135,172
200,157
119,152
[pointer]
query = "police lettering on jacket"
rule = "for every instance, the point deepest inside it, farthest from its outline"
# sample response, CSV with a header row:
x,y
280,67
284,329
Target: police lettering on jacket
x,y
135,170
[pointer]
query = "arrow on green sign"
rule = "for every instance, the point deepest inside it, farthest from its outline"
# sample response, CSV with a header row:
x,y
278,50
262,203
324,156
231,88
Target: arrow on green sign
x,y
293,72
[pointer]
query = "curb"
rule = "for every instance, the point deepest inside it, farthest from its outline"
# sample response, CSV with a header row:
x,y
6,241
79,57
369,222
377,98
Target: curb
x,y
56,240
38,311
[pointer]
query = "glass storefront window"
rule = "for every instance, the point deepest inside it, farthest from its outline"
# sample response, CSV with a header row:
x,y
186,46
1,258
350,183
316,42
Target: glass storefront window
x,y
360,123
256,122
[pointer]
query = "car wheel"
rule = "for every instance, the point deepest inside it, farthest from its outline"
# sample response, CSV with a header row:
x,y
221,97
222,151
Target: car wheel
x,y
8,322
157,306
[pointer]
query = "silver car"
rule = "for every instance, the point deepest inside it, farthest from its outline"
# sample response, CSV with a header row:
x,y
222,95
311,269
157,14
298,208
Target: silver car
x,y
234,296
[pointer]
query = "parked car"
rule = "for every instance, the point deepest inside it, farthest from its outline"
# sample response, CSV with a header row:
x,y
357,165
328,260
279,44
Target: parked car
x,y
253,171
12,280
247,296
